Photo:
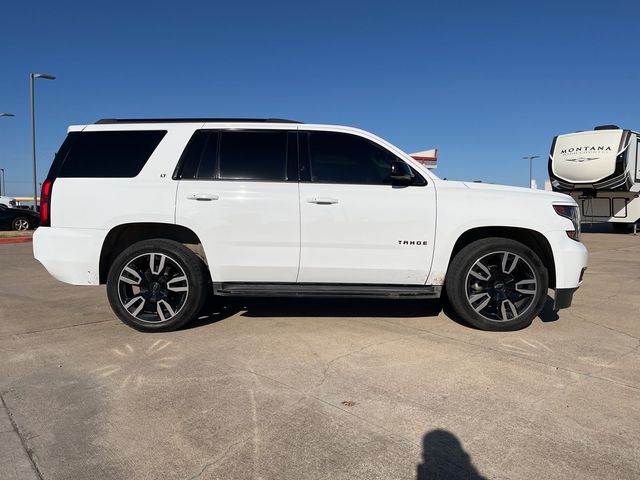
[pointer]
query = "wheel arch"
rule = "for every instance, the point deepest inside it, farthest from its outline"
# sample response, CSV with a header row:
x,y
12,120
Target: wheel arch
x,y
531,238
122,236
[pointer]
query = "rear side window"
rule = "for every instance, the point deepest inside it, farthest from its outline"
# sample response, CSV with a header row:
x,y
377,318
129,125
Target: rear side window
x,y
192,155
253,155
260,155
110,154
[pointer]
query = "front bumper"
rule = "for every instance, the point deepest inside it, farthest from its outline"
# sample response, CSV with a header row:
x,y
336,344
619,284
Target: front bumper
x,y
570,258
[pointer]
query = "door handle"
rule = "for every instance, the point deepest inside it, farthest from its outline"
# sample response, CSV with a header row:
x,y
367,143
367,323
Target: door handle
x,y
322,200
203,197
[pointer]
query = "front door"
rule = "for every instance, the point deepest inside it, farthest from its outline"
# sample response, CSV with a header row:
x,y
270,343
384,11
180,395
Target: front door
x,y
356,225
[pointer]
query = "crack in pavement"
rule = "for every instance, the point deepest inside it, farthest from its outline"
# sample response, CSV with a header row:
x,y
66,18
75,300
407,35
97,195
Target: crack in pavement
x,y
390,434
220,458
580,317
26,449
9,335
528,359
325,372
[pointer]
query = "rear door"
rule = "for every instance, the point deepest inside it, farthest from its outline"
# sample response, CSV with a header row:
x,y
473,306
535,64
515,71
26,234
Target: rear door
x,y
357,226
238,191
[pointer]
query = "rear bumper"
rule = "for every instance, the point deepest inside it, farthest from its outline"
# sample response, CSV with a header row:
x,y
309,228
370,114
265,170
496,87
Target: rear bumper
x,y
70,255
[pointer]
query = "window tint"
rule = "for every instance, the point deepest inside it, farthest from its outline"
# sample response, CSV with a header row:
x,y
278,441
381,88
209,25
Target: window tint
x,y
253,155
344,158
110,154
191,157
207,168
62,153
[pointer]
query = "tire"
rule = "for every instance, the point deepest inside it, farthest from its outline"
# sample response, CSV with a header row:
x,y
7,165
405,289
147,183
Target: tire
x,y
157,285
497,284
20,224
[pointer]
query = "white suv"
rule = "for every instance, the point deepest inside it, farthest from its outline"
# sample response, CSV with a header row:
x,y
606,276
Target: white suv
x,y
166,212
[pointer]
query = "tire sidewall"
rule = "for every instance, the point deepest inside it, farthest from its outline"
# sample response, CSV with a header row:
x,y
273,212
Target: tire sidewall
x,y
457,277
193,268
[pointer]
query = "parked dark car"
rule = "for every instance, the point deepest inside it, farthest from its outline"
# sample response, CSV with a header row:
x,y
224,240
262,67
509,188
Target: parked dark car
x,y
18,219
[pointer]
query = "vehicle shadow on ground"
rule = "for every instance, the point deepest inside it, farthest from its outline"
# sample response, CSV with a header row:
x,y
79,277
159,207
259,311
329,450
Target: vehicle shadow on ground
x,y
219,309
340,307
444,458
548,314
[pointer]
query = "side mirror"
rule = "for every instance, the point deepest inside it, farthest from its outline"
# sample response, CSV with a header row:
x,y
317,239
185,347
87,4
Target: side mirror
x,y
401,172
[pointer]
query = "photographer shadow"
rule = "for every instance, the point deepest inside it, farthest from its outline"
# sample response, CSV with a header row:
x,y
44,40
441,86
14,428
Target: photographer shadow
x,y
443,458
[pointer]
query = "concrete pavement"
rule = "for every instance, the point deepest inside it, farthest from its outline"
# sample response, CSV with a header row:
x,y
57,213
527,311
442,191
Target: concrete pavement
x,y
298,389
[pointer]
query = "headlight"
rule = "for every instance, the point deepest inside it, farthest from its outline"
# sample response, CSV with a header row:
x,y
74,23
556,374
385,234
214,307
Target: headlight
x,y
572,213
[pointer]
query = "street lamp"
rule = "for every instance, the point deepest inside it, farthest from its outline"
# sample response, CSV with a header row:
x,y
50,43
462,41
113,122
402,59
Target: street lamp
x,y
32,77
530,158
3,190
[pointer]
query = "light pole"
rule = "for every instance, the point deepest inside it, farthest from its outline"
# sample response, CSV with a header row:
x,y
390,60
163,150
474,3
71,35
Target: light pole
x,y
3,190
531,158
32,78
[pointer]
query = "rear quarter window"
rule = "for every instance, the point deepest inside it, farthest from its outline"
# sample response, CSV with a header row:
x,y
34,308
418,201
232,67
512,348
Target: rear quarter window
x,y
109,154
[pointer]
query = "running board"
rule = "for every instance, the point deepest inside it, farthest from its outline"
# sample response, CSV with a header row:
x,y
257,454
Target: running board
x,y
327,290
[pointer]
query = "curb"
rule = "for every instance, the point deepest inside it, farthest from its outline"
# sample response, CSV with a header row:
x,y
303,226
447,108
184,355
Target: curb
x,y
16,240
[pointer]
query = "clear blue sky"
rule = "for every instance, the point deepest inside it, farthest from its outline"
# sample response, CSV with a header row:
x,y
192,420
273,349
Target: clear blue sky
x,y
485,82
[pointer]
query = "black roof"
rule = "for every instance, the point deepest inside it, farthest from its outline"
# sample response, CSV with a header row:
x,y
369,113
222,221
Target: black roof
x,y
192,120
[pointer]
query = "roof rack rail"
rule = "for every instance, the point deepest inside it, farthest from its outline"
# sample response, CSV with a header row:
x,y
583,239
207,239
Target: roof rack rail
x,y
104,121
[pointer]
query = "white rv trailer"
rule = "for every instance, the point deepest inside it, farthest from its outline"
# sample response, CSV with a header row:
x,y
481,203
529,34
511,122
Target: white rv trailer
x,y
600,169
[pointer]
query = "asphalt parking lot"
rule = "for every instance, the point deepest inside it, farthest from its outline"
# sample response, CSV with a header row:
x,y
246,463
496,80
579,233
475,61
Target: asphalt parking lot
x,y
320,389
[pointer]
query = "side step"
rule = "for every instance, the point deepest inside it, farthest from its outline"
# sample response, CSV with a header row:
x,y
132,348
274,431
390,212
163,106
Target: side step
x,y
326,290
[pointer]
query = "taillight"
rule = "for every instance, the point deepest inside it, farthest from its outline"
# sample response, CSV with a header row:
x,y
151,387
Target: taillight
x,y
45,203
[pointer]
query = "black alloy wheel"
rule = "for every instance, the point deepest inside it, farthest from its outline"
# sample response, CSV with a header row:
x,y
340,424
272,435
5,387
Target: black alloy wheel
x,y
157,285
497,284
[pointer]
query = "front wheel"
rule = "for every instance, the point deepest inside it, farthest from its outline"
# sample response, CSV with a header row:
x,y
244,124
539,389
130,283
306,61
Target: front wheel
x,y
157,285
497,284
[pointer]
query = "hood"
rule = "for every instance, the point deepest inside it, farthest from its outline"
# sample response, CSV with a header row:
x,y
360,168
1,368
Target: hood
x,y
500,191
541,194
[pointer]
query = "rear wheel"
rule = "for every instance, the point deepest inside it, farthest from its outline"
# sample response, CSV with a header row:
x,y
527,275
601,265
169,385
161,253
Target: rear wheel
x,y
497,284
20,224
157,285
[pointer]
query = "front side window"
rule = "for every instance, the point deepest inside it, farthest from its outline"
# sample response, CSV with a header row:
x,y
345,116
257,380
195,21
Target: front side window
x,y
343,158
